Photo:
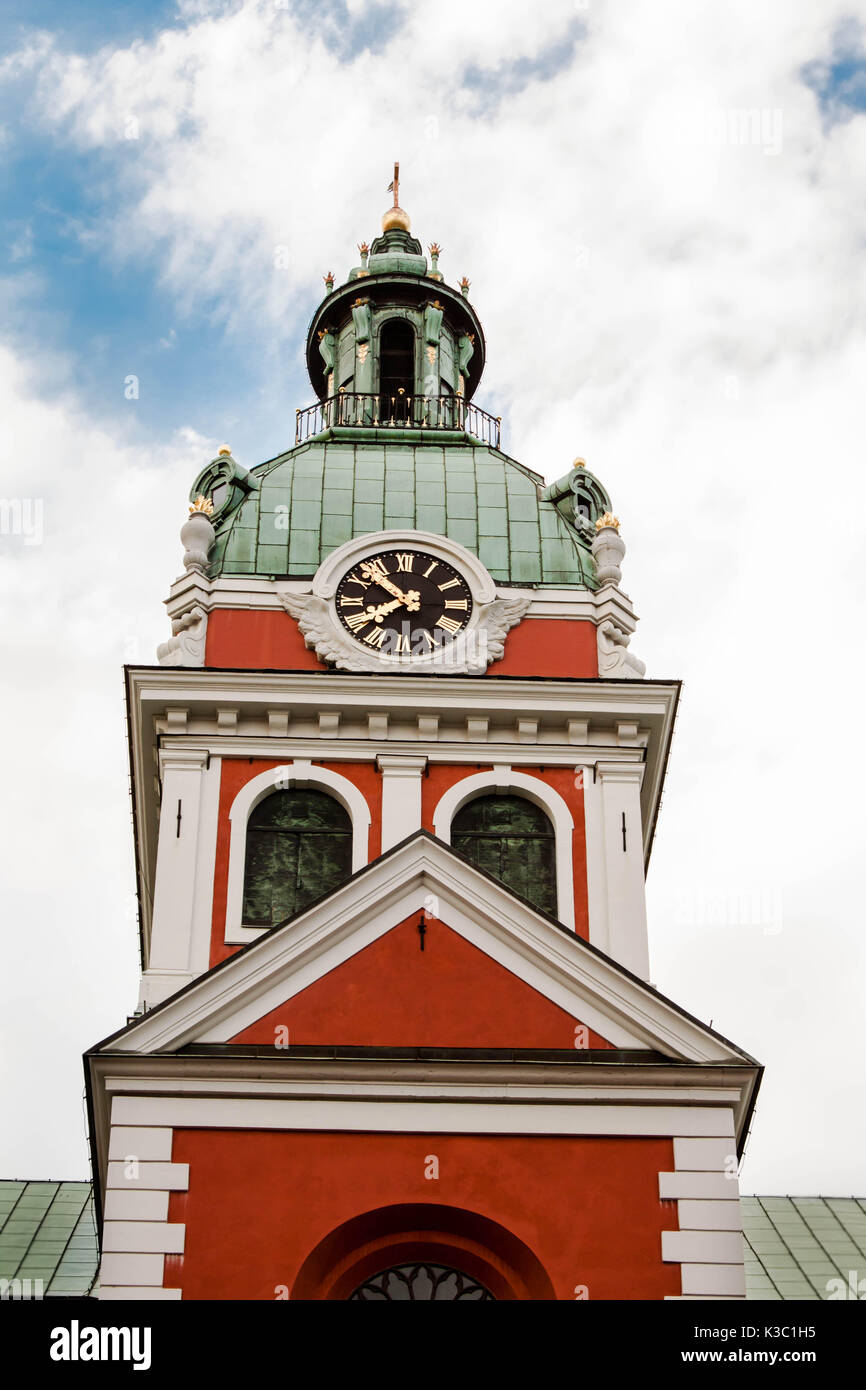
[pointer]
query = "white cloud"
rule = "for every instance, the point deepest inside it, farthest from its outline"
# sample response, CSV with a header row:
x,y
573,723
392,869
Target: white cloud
x,y
73,608
661,295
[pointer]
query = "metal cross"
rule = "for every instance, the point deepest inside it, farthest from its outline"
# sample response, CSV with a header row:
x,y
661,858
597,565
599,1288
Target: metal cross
x,y
395,186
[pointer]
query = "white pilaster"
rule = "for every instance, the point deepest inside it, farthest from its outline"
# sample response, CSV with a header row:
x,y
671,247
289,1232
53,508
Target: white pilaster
x,y
401,796
614,844
169,965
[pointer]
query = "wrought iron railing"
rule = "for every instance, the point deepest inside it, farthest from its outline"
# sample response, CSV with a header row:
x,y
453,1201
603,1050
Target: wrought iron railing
x,y
358,409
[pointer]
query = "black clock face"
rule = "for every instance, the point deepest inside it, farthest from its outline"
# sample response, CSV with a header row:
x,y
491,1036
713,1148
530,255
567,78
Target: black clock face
x,y
404,603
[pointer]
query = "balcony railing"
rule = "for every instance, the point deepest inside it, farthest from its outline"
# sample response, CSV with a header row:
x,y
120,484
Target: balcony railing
x,y
360,409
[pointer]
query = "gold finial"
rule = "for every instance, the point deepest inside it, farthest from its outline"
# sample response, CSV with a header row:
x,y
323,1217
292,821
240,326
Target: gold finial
x,y
435,249
395,217
202,504
608,520
579,463
224,449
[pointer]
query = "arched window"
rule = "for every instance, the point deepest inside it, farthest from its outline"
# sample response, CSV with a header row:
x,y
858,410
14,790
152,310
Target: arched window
x,y
298,848
513,840
396,370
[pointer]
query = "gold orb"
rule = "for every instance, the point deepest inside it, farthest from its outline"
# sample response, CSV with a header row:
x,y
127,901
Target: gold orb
x,y
224,449
395,219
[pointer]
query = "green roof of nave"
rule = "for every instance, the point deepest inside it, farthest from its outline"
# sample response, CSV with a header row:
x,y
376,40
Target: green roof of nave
x,y
308,501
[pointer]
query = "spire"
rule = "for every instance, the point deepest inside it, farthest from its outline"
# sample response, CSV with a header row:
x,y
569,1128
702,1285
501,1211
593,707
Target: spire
x,y
395,217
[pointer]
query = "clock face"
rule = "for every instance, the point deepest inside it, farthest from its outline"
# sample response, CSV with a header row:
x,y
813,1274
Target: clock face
x,y
404,603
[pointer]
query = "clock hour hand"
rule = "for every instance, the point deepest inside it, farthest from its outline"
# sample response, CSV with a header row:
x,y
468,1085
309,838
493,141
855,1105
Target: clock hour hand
x,y
411,601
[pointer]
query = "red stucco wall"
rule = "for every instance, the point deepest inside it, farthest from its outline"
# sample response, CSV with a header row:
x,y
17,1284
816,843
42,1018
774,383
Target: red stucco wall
x,y
268,639
586,1210
393,994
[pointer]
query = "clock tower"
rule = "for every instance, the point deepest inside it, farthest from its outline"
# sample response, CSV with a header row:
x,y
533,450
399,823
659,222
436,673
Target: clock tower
x,y
395,783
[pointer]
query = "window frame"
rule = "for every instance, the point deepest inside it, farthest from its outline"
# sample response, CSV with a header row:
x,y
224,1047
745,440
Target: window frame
x,y
505,780
300,773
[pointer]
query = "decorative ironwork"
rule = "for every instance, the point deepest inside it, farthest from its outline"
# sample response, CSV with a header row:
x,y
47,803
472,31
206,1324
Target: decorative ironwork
x,y
422,1283
371,410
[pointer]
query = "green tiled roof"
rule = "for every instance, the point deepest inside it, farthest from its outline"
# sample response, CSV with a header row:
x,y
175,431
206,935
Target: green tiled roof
x,y
796,1246
320,494
48,1233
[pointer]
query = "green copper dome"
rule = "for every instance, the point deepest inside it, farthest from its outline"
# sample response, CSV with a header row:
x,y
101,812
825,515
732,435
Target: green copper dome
x,y
287,515
395,442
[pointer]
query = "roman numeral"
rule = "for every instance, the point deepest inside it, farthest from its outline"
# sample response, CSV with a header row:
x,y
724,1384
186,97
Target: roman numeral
x,y
448,625
374,568
357,620
431,568
428,639
405,562
403,642
350,602
462,603
376,637
451,584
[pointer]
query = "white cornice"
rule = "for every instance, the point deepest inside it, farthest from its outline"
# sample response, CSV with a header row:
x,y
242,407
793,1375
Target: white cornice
x,y
577,722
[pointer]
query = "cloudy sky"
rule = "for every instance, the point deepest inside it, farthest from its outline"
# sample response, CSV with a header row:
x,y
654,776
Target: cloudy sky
x,y
661,212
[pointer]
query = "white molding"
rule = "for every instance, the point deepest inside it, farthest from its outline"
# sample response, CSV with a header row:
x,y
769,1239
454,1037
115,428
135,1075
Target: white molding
x,y
357,1084
504,778
302,773
420,1116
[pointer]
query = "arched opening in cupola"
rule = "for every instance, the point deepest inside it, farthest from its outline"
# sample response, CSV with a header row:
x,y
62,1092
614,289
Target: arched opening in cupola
x,y
396,370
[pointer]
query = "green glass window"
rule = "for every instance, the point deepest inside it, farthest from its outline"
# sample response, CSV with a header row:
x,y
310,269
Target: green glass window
x,y
299,847
512,839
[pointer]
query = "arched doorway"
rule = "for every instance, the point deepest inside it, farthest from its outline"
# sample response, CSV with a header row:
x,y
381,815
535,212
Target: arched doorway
x,y
396,371
469,1251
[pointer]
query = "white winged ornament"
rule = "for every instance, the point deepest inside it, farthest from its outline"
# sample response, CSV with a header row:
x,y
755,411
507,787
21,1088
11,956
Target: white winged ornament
x,y
314,620
496,619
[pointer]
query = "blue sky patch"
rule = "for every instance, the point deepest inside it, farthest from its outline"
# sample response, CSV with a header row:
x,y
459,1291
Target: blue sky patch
x,y
490,86
839,81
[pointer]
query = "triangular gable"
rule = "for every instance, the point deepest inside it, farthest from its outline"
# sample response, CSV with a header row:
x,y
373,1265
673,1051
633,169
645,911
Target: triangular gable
x,y
423,873
394,994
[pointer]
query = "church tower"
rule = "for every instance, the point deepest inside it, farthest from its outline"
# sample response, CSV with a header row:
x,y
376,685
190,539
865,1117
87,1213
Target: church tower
x,y
395,782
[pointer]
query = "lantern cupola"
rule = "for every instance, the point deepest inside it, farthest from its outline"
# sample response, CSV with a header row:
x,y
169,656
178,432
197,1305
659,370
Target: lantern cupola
x,y
395,345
